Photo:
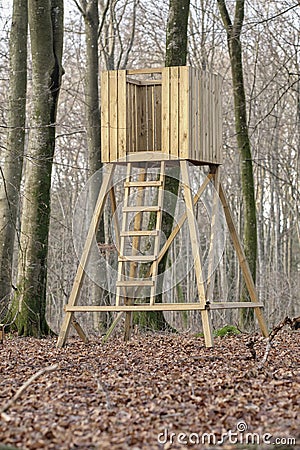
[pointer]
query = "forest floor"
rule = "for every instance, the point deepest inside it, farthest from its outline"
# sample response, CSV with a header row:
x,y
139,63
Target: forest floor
x,y
158,391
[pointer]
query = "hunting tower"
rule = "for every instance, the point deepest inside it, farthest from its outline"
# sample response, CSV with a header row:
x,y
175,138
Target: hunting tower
x,y
158,117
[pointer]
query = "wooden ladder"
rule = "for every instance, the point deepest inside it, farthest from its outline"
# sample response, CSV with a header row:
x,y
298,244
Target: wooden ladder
x,y
129,257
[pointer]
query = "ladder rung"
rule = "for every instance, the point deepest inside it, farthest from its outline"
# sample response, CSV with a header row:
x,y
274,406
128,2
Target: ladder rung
x,y
141,208
139,233
137,258
142,183
135,283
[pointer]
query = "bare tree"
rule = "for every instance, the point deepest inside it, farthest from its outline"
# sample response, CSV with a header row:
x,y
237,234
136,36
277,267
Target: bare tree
x,y
117,32
46,36
11,168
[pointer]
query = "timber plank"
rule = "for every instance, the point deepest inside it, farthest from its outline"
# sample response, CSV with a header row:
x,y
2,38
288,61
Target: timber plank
x,y
105,123
113,114
163,307
184,113
174,111
122,114
165,119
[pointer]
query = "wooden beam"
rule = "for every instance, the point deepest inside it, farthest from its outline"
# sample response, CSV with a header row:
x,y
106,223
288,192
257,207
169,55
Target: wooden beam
x,y
129,233
112,327
2,332
177,228
79,330
105,120
121,248
163,307
165,112
206,323
143,71
234,305
184,113
243,262
122,113
138,307
113,115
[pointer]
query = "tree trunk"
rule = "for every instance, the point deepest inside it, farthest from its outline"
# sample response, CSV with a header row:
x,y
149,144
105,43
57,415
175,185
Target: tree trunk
x,y
233,31
11,173
176,52
46,34
91,19
176,36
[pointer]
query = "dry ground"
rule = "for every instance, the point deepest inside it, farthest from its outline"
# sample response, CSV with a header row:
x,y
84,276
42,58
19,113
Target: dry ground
x,y
123,395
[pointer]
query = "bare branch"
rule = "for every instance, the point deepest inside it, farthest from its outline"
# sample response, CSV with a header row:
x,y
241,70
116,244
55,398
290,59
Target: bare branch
x,y
290,86
238,17
104,14
101,386
136,2
83,11
26,385
274,332
268,19
225,16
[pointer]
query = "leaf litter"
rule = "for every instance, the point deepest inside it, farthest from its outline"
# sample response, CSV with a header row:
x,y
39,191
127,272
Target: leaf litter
x,y
158,391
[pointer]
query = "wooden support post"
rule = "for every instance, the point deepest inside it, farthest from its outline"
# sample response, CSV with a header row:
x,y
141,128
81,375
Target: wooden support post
x,y
205,315
243,262
86,252
79,330
211,273
158,223
113,203
2,333
112,327
178,226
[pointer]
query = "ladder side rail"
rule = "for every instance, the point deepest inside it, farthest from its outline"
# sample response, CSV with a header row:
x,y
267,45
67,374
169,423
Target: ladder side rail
x,y
155,263
121,249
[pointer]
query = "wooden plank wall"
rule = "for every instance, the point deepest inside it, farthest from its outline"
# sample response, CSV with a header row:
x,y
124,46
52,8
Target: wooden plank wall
x,y
176,111
184,112
180,115
143,117
113,115
191,114
205,124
